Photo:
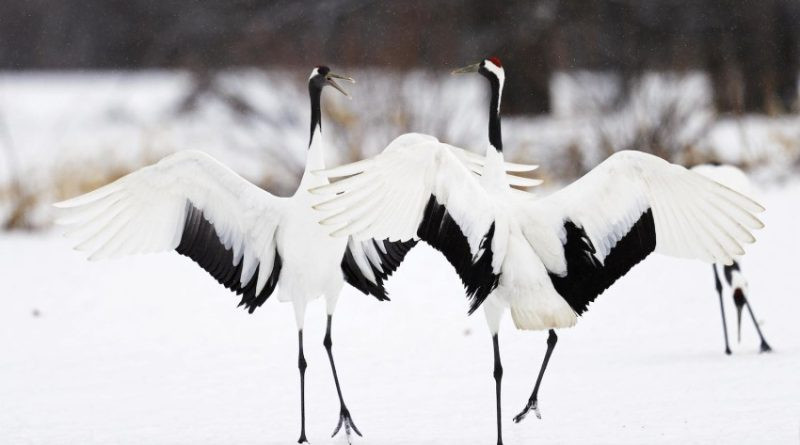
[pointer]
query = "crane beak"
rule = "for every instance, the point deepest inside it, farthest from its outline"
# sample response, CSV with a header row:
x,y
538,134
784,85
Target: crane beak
x,y
329,78
467,69
738,324
738,300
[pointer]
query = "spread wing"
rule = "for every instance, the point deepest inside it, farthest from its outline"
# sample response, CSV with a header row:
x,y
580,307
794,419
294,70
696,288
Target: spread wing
x,y
368,263
420,190
191,203
596,229
727,175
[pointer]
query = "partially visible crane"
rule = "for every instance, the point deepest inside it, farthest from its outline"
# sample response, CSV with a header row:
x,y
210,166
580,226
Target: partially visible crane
x,y
734,178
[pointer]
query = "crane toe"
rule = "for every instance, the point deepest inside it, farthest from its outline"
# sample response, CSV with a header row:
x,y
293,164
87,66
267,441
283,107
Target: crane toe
x,y
346,421
533,405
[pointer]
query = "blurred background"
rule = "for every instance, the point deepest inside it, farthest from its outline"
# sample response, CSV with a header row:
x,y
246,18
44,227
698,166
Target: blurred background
x,y
150,349
92,89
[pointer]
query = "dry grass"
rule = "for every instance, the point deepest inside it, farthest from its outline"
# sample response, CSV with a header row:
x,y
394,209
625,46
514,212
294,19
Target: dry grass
x,y
22,205
29,209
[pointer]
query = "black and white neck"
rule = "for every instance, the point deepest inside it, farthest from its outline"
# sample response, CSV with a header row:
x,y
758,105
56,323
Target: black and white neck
x,y
492,69
320,77
316,82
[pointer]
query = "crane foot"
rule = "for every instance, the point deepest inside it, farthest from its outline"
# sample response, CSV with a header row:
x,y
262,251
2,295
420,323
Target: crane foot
x,y
347,422
533,405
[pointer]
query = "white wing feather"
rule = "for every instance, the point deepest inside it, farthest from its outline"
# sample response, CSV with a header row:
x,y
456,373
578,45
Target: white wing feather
x,y
694,216
401,181
473,161
727,175
145,212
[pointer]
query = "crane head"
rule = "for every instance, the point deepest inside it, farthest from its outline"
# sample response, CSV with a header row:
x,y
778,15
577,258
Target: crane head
x,y
489,68
322,76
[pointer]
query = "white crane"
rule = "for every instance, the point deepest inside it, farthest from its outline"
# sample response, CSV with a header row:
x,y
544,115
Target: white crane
x,y
545,259
734,178
248,239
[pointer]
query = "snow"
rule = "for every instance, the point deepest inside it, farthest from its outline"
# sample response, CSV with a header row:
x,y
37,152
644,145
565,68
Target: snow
x,y
151,350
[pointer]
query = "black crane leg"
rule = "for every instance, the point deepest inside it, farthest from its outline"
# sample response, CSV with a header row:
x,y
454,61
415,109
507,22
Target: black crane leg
x,y
764,345
498,377
344,414
718,285
533,402
301,365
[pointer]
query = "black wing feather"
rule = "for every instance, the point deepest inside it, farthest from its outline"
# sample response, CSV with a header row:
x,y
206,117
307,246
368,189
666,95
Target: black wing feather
x,y
443,234
390,261
200,242
586,277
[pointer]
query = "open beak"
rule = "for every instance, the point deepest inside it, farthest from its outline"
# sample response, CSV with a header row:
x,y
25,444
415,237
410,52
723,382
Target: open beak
x,y
467,69
329,78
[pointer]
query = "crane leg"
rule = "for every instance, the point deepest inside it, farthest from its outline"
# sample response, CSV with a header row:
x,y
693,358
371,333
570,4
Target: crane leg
x,y
301,365
533,402
764,345
344,414
498,377
718,285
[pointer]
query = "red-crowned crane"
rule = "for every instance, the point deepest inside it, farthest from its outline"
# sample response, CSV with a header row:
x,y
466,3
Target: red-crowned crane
x,y
248,239
734,178
545,259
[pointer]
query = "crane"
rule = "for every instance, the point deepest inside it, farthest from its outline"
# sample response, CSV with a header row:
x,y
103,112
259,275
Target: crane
x,y
544,259
249,240
734,178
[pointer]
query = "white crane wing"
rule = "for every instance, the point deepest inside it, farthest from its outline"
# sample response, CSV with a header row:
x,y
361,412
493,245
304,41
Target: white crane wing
x,y
419,190
593,231
191,203
727,175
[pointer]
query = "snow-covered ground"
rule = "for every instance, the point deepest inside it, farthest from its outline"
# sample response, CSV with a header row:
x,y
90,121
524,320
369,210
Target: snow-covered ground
x,y
151,350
